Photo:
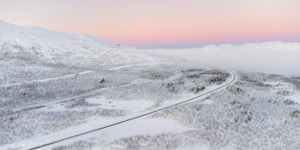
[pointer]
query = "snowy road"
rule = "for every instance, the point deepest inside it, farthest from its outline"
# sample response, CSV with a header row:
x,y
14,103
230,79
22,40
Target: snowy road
x,y
50,141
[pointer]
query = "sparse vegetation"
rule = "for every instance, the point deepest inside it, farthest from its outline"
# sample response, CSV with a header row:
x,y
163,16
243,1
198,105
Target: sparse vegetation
x,y
234,89
295,113
79,145
289,102
246,115
197,89
284,93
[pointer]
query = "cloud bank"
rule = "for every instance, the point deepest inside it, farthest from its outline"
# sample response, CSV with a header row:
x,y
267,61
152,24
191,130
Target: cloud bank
x,y
273,58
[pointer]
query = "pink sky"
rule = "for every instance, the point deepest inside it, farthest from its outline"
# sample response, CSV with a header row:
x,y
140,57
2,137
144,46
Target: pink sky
x,y
163,22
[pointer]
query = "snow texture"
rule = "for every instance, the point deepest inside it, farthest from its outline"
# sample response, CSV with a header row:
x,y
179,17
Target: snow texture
x,y
54,85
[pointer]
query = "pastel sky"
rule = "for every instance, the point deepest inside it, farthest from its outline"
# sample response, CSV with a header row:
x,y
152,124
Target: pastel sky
x,y
163,22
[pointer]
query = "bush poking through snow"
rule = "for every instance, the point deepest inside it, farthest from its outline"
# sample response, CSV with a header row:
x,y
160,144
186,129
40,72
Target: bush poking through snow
x,y
79,103
102,81
170,86
217,79
197,89
79,145
298,85
236,119
284,121
234,90
284,93
295,113
289,102
247,118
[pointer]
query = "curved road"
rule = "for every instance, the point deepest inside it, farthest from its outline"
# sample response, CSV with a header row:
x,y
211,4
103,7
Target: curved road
x,y
222,86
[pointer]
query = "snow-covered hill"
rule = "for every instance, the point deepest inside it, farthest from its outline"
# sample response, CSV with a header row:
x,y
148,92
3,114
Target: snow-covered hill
x,y
37,64
53,83
56,85
30,42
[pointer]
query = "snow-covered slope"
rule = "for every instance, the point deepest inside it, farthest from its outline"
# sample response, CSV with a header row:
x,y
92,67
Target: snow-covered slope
x,y
38,64
57,85
33,42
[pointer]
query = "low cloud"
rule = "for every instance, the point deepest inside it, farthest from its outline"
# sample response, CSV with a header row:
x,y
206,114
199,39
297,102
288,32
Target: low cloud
x,y
274,58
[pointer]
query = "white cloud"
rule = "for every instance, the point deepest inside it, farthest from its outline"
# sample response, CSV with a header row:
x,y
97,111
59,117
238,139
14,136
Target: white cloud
x,y
276,58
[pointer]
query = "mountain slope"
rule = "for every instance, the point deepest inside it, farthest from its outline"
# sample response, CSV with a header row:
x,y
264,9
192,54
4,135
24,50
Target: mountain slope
x,y
29,42
38,64
56,85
